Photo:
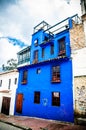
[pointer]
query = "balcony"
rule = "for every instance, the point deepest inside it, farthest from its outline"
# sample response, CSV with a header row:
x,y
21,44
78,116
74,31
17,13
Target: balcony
x,y
23,61
24,57
46,43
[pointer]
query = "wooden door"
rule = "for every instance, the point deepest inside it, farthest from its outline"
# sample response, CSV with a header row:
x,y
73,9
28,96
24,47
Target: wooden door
x,y
5,105
19,102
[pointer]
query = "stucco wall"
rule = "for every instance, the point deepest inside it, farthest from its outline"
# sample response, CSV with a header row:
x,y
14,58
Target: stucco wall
x,y
79,74
79,64
80,95
42,82
77,36
5,92
84,23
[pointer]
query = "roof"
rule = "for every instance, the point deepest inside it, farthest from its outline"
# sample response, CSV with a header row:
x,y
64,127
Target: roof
x,y
10,71
25,49
5,91
60,58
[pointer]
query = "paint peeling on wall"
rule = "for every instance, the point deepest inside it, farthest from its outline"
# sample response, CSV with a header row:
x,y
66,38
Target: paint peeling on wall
x,y
81,100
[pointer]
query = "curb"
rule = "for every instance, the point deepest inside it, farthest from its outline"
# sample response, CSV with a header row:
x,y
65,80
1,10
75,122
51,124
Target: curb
x,y
81,121
13,124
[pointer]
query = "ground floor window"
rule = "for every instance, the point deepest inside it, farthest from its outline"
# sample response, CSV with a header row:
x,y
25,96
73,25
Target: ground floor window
x,y
55,99
37,97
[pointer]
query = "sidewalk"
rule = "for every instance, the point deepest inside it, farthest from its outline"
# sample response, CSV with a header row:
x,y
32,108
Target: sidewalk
x,y
28,123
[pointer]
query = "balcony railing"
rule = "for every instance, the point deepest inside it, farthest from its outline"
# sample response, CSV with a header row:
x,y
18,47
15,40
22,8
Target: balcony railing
x,y
23,61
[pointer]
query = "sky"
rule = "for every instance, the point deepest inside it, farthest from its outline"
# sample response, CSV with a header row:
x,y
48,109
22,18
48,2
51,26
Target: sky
x,y
19,17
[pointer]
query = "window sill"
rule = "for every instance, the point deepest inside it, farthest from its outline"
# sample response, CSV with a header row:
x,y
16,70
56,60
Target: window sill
x,y
36,44
35,61
56,105
24,82
56,81
61,53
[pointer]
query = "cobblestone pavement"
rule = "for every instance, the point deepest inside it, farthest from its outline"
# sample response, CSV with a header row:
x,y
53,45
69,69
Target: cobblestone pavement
x,y
28,123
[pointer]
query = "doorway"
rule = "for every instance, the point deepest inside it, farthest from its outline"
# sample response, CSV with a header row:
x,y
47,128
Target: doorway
x,y
5,105
19,102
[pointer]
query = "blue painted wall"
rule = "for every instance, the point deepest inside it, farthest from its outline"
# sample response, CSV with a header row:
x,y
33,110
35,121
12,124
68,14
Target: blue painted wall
x,y
42,81
40,36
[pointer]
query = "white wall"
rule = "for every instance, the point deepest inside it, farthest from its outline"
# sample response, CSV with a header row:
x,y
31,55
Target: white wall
x,y
83,3
79,62
11,93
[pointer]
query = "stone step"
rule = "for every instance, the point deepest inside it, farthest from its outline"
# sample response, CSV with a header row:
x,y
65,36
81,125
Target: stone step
x,y
81,121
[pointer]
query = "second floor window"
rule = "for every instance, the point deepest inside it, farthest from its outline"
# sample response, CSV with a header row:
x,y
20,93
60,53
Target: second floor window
x,y
24,77
56,74
9,84
38,71
0,83
62,47
15,81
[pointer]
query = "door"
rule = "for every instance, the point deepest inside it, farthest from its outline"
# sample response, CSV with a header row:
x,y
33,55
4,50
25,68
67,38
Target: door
x,y
5,105
19,102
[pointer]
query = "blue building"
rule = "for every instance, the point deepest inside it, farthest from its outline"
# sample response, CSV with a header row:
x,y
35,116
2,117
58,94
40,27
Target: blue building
x,y
45,87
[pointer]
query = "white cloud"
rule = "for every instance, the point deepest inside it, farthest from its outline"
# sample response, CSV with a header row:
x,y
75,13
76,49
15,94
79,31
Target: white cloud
x,y
51,11
7,51
17,20
1,35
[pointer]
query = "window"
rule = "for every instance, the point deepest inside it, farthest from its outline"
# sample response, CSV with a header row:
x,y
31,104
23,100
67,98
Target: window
x,y
15,81
24,77
37,97
52,49
46,38
36,42
20,59
38,71
9,83
0,83
62,48
56,74
24,56
43,52
55,99
35,56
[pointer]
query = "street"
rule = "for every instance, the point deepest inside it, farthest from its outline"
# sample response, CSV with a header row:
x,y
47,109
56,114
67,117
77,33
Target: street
x,y
28,123
4,126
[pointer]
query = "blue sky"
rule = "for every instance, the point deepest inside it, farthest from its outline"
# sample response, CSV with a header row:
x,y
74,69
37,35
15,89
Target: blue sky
x,y
18,17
